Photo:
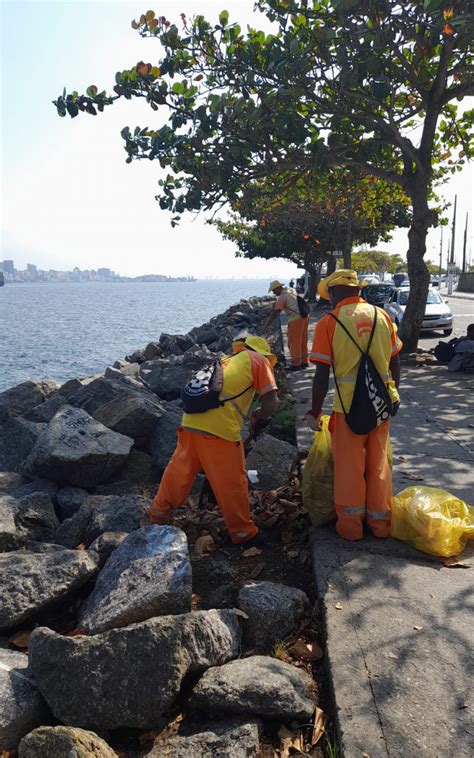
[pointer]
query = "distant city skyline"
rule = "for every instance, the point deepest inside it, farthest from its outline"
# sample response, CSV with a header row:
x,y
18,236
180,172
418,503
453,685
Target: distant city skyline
x,y
102,274
68,197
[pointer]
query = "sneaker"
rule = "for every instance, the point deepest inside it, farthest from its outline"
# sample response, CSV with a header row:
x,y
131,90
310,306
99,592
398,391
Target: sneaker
x,y
304,365
293,368
264,536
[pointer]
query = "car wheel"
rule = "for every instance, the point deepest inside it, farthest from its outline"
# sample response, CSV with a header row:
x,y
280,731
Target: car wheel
x,y
447,332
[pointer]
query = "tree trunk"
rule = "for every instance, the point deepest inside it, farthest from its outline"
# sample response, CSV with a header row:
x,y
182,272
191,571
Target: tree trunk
x,y
314,277
418,274
347,252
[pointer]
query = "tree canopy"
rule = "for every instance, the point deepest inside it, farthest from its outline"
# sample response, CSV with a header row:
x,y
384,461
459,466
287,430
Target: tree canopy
x,y
371,86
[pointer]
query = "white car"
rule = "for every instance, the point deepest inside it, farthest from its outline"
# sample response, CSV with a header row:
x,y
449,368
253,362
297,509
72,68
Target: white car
x,y
368,279
437,312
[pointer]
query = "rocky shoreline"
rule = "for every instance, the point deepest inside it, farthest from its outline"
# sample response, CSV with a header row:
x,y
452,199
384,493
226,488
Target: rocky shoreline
x,y
103,605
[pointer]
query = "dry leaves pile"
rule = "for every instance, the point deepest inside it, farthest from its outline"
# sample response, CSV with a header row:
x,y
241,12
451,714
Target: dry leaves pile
x,y
302,740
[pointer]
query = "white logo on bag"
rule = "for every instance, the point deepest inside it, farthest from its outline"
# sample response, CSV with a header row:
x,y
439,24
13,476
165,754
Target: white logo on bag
x,y
380,406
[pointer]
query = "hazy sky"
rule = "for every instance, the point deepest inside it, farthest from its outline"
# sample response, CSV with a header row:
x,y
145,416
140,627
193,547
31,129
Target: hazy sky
x,y
68,198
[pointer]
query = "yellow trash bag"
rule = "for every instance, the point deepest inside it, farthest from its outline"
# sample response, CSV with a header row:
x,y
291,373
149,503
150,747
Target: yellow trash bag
x,y
318,477
432,520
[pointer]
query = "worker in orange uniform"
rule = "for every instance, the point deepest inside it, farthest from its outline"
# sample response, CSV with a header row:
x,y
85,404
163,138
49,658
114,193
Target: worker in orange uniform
x,y
297,324
212,441
362,475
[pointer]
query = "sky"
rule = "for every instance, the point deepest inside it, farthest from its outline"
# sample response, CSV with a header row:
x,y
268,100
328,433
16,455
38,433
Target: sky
x,y
68,197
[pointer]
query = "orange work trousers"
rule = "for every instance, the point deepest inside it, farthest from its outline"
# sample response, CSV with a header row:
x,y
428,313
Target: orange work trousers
x,y
223,462
298,340
362,479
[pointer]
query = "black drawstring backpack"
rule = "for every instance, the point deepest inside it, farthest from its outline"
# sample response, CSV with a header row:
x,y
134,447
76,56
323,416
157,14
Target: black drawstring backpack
x,y
371,403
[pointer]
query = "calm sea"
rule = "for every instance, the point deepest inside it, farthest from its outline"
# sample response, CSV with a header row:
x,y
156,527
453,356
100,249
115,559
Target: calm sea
x,y
60,331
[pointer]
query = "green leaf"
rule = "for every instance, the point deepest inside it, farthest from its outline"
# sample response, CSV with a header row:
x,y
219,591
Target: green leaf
x,y
150,15
224,18
72,109
125,133
92,90
433,5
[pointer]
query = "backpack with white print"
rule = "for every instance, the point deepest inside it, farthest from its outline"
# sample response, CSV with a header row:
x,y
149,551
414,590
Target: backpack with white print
x,y
202,392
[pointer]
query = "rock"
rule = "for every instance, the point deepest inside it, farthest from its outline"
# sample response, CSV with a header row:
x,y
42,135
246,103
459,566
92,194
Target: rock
x,y
125,381
120,486
274,611
175,344
131,413
259,685
129,677
164,438
204,335
75,449
63,742
120,364
106,543
137,356
139,468
103,513
18,400
167,377
45,411
11,481
148,575
95,394
233,738
35,518
224,596
69,388
37,485
8,506
274,460
69,500
21,706
32,583
152,350
17,439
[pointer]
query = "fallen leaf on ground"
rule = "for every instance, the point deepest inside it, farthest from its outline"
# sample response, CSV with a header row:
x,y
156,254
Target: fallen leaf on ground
x,y
204,544
20,639
81,546
338,607
307,651
413,477
289,740
318,726
401,458
76,633
292,553
288,503
257,570
251,552
455,562
418,628
240,613
392,655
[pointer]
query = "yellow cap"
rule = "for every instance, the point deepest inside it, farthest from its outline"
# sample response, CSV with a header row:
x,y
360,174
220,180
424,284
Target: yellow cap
x,y
274,285
344,277
259,345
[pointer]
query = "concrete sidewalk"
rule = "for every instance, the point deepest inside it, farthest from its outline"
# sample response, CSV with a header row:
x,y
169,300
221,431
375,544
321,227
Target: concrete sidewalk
x,y
399,624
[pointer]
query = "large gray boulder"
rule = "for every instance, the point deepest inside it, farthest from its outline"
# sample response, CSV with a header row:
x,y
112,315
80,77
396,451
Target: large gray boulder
x,y
30,583
8,508
139,469
163,440
69,500
103,513
232,738
105,545
17,438
75,449
63,742
18,400
37,485
259,685
11,481
273,610
21,706
129,677
93,395
133,414
148,574
167,377
274,460
36,518
45,411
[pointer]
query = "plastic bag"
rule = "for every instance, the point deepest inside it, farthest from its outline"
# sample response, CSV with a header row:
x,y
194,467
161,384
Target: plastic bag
x,y
432,520
318,478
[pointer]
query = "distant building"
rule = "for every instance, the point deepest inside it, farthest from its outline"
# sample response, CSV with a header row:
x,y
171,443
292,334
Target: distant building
x,y
104,273
32,271
8,268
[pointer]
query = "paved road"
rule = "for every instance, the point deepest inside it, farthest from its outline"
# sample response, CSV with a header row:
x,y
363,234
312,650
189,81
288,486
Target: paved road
x,y
463,312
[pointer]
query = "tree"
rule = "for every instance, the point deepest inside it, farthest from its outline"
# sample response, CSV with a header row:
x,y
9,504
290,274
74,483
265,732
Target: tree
x,y
304,219
370,85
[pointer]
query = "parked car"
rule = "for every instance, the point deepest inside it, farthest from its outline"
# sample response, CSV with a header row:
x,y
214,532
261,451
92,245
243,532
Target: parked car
x,y
437,312
368,279
377,294
398,279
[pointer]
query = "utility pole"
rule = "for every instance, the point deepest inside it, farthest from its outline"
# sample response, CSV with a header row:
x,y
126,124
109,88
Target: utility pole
x,y
451,263
464,247
440,256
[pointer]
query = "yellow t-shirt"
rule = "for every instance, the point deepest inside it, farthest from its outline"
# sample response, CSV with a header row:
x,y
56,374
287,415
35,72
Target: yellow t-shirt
x,y
247,369
331,345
